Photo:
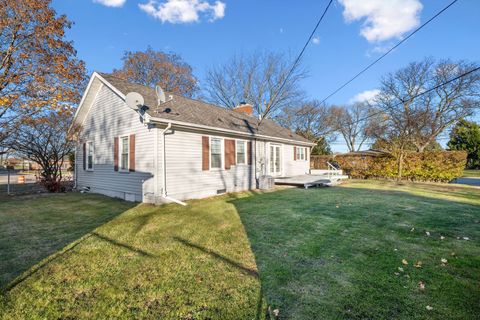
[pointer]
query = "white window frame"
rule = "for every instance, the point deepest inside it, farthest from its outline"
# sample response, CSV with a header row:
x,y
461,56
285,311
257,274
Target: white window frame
x,y
245,161
282,159
303,153
87,147
222,153
120,145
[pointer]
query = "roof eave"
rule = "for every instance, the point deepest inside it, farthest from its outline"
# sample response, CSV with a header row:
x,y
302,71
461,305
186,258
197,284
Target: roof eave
x,y
234,132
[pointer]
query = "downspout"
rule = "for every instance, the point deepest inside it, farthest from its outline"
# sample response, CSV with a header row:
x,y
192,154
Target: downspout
x,y
164,168
75,167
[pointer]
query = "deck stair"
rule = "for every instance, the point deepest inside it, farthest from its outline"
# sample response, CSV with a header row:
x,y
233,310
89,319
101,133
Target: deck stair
x,y
317,178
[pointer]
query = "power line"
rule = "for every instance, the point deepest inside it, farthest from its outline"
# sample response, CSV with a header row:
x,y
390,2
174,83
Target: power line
x,y
297,60
389,51
404,100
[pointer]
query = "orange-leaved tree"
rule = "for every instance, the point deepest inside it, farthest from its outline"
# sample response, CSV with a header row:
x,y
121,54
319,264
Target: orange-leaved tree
x,y
39,70
151,68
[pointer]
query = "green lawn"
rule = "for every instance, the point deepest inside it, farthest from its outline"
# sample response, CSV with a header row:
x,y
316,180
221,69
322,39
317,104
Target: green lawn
x,y
471,173
331,253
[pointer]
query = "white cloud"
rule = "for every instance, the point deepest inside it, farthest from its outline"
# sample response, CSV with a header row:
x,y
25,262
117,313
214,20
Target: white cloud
x,y
384,19
111,3
184,11
365,96
316,40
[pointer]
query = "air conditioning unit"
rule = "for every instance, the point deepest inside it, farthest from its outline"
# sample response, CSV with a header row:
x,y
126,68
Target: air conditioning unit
x,y
266,182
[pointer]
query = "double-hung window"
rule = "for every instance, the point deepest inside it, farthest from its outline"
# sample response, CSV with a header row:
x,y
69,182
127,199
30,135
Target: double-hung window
x,y
300,153
216,153
90,152
241,154
124,153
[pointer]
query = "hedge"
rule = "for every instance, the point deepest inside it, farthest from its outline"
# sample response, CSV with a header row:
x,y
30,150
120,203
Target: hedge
x,y
439,166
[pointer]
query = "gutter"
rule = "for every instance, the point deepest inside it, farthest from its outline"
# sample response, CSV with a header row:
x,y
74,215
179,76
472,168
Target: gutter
x,y
214,129
164,168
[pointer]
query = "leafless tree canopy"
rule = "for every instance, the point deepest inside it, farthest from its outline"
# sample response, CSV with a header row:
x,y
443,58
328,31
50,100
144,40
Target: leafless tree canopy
x,y
355,123
256,79
310,118
44,140
424,118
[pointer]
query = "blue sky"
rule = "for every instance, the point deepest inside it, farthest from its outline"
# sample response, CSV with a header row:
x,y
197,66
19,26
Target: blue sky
x,y
207,32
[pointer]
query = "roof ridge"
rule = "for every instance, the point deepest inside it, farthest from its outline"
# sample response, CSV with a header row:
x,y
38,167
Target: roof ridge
x,y
270,125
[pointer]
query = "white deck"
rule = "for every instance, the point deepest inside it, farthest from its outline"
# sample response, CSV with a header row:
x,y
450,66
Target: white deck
x,y
311,180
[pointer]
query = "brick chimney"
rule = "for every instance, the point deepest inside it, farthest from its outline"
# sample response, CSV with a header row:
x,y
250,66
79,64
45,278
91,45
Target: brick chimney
x,y
244,108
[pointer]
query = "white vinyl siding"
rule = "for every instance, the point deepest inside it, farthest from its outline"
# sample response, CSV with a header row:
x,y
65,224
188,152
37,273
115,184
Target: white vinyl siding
x,y
109,117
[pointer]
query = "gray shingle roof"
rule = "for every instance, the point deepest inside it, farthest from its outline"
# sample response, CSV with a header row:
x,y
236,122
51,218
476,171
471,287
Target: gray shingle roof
x,y
202,113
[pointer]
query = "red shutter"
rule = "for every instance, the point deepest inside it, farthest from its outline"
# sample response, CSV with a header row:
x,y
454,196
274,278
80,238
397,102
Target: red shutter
x,y
84,156
115,153
205,153
294,153
131,153
249,152
229,153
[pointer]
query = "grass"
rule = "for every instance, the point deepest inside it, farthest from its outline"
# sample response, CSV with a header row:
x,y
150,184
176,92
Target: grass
x,y
471,173
321,253
170,262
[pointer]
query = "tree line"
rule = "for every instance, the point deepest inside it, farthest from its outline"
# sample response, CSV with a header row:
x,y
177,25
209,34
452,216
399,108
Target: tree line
x,y
42,81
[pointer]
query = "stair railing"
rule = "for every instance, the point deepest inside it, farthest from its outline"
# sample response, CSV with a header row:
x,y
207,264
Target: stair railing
x,y
332,170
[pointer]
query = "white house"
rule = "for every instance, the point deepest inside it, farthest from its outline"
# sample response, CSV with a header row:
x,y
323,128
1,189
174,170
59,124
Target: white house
x,y
175,149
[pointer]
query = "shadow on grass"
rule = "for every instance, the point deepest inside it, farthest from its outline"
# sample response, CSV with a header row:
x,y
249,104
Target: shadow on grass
x,y
218,256
353,231
34,235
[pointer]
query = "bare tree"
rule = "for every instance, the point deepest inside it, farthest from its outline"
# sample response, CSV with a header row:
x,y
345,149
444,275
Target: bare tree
x,y
44,140
355,123
434,112
256,79
152,68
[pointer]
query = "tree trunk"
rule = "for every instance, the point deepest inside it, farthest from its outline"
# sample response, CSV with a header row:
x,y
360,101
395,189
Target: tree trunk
x,y
400,166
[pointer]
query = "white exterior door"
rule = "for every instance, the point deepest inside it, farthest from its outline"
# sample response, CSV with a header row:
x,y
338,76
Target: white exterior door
x,y
275,160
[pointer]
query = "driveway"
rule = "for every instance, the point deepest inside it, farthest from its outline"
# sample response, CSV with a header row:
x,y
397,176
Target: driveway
x,y
471,181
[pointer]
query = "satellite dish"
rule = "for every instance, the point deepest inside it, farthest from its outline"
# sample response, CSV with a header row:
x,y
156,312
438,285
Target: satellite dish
x,y
134,100
160,95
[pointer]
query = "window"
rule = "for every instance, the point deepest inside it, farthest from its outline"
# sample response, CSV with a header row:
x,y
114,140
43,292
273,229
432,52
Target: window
x,y
124,154
241,146
215,153
90,155
300,153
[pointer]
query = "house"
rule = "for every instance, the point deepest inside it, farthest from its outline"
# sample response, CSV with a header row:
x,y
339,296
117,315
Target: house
x,y
177,148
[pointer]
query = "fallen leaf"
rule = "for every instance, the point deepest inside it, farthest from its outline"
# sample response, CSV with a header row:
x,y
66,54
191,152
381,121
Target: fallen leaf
x,y
444,260
418,264
276,312
427,233
400,269
397,274
442,237
413,229
395,249
429,308
453,254
405,262
421,285
466,238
